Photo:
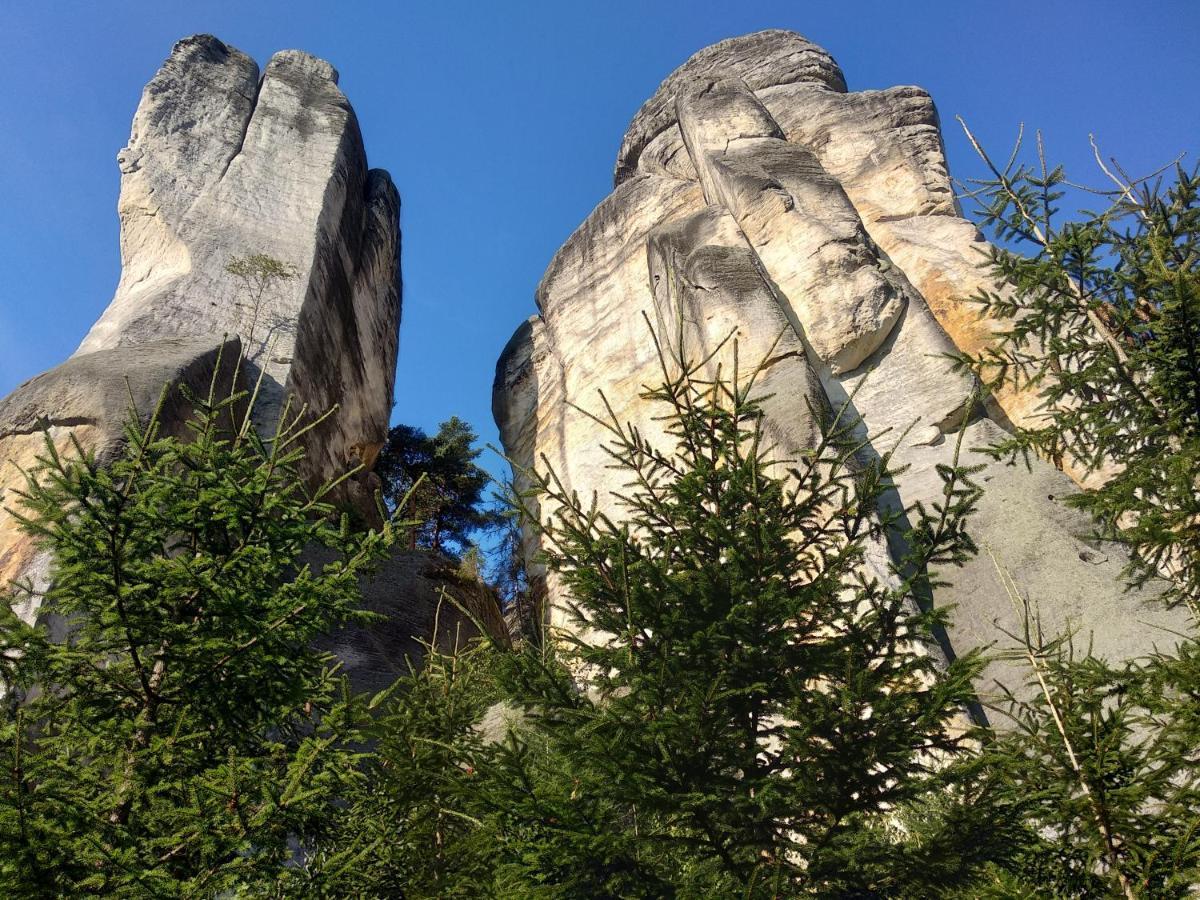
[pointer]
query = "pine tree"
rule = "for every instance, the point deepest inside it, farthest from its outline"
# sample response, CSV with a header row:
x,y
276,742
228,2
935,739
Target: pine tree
x,y
168,726
443,484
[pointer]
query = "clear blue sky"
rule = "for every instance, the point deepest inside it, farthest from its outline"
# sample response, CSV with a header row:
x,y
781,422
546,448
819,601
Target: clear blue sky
x,y
500,122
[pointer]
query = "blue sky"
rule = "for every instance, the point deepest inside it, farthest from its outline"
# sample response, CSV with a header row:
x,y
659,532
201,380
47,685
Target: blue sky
x,y
500,123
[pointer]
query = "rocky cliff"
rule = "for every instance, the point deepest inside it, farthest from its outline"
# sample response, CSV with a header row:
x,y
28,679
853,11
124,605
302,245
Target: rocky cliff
x,y
224,163
754,194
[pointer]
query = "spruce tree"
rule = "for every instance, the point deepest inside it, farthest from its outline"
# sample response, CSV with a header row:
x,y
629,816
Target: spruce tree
x,y
169,729
1101,319
739,706
410,821
1096,758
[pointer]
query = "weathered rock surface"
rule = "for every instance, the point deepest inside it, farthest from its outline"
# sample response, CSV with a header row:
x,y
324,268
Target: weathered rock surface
x,y
761,60
754,196
417,594
223,163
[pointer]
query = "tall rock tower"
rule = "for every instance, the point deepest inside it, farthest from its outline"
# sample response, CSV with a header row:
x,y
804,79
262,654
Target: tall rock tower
x,y
225,162
753,194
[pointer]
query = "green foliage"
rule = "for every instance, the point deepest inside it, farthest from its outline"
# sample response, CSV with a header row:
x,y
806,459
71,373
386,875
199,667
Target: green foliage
x,y
447,486
409,823
737,709
740,697
258,269
1102,320
168,726
737,701
258,274
1099,760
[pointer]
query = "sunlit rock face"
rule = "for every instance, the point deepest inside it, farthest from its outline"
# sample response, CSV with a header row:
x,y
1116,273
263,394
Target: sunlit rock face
x,y
755,196
225,162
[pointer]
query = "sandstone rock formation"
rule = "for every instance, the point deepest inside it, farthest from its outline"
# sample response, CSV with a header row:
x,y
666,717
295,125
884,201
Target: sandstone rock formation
x,y
753,193
225,163
221,164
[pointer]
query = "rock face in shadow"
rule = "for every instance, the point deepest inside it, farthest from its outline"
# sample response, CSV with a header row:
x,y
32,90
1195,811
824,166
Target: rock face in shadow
x,y
754,196
223,163
418,593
